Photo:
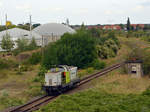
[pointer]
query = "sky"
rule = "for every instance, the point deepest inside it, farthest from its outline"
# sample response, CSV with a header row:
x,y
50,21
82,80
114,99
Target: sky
x,y
77,11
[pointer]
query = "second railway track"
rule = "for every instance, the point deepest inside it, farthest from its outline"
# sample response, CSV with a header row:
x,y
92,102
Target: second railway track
x,y
36,104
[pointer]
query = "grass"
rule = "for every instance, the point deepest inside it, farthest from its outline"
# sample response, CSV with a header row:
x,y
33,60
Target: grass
x,y
113,92
7,101
110,93
118,83
19,87
127,45
96,101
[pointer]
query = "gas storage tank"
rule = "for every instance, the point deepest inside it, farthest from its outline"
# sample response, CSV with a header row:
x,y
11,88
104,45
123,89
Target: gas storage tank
x,y
60,78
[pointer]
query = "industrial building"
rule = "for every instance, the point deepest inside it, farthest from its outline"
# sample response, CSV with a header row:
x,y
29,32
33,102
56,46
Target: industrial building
x,y
16,33
52,32
43,34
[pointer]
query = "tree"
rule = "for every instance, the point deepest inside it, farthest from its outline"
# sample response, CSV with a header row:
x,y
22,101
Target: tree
x,y
95,32
128,24
22,44
7,44
140,54
36,25
77,49
32,44
146,27
82,26
122,26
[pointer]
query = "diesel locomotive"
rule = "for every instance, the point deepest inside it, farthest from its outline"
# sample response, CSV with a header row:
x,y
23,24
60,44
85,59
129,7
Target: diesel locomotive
x,y
60,79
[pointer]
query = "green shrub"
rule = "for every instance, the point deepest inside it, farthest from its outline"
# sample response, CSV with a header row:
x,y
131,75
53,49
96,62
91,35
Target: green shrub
x,y
6,43
32,45
77,49
146,63
7,101
35,58
141,54
82,73
42,71
98,64
90,70
5,64
147,92
37,79
24,45
24,68
16,52
34,91
108,46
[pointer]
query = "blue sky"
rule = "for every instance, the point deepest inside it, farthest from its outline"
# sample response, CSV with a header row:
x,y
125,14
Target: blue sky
x,y
78,11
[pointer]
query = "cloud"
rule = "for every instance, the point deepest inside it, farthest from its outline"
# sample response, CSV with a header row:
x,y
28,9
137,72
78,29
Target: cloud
x,y
54,9
110,21
1,4
81,11
24,7
146,3
108,12
112,12
138,8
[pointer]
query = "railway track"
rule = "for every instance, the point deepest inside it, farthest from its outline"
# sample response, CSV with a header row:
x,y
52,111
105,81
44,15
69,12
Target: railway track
x,y
36,104
101,73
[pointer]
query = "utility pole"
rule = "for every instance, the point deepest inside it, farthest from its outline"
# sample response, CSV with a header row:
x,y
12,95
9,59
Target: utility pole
x,y
6,24
42,48
30,26
67,21
6,21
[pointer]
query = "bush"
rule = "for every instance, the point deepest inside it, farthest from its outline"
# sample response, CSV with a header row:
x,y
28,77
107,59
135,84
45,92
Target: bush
x,y
77,49
42,71
147,92
98,64
146,63
32,44
7,101
34,91
141,54
5,64
7,44
16,52
24,45
90,70
35,58
108,46
82,73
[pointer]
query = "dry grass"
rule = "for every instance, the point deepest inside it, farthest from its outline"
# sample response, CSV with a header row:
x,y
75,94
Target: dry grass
x,y
127,45
115,82
14,84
